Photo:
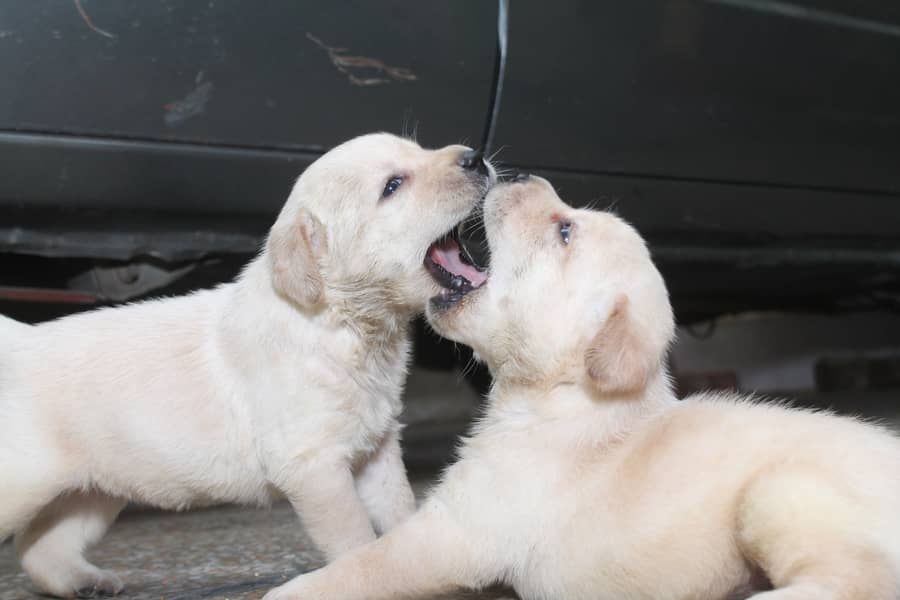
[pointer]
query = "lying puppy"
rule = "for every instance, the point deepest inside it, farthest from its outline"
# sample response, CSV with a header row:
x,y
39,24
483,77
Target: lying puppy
x,y
586,479
285,382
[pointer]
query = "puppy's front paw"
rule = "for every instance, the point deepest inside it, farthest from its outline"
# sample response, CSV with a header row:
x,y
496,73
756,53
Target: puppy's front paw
x,y
274,594
303,587
283,592
97,584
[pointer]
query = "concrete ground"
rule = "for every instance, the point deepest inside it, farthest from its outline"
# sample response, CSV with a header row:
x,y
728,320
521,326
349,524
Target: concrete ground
x,y
227,553
239,553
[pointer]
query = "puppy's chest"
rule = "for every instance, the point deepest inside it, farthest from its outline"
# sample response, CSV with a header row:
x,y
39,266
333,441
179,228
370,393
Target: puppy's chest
x,y
380,386
370,382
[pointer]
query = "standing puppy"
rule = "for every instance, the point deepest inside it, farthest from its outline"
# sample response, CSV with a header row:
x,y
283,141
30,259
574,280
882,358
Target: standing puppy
x,y
285,382
587,480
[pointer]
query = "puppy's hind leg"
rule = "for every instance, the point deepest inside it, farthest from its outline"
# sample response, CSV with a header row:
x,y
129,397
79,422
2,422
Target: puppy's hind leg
x,y
814,539
52,547
823,587
20,500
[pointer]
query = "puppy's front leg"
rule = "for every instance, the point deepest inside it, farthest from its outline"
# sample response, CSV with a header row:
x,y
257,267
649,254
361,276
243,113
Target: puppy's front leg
x,y
384,487
424,556
327,503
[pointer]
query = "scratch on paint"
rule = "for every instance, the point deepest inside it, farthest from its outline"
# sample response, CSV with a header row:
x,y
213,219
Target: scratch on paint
x,y
179,111
90,23
344,63
804,13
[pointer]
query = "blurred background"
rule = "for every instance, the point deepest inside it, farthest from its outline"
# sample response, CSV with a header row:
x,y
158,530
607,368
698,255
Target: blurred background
x,y
147,145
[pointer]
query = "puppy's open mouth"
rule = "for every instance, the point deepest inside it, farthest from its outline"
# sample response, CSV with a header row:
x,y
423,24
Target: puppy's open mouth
x,y
452,264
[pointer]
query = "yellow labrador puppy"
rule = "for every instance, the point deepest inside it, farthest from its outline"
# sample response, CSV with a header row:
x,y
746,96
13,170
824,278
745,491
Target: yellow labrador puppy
x,y
587,480
285,382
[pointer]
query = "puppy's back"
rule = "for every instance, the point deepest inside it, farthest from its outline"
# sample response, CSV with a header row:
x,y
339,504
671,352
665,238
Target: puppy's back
x,y
714,444
11,332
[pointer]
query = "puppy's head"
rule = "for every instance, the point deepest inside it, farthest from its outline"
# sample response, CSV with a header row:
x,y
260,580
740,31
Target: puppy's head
x,y
362,220
572,296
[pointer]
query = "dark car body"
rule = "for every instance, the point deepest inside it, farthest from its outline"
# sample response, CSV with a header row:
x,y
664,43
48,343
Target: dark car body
x,y
146,145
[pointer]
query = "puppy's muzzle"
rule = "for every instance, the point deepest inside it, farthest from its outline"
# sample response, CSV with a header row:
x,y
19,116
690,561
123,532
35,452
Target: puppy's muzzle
x,y
473,160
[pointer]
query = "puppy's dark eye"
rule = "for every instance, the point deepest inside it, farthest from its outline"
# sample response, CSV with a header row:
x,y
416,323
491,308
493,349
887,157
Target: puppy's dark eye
x,y
565,229
391,186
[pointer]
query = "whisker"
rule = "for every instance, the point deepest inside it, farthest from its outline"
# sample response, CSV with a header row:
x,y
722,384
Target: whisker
x,y
611,207
496,152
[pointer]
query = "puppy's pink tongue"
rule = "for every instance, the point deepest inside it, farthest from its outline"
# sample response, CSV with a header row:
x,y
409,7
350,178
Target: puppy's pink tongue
x,y
446,254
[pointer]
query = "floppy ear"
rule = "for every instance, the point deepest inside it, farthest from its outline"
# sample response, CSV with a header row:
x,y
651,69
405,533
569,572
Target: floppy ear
x,y
295,248
621,358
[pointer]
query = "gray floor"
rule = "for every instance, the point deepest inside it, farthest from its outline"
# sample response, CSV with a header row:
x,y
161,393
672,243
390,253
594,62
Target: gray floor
x,y
234,553
239,553
227,553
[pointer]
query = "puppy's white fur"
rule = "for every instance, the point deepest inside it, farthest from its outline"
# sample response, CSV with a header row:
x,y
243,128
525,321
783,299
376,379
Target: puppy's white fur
x,y
586,479
286,382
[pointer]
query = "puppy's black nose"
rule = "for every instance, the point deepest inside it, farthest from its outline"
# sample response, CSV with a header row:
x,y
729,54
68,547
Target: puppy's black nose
x,y
473,160
519,177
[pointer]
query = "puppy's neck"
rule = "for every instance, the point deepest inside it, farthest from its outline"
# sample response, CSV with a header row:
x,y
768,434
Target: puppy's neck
x,y
576,407
372,310
370,306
